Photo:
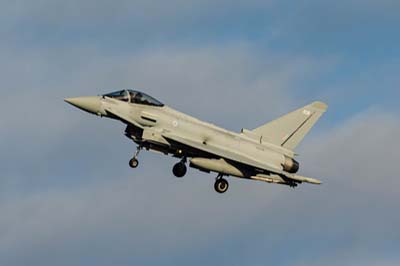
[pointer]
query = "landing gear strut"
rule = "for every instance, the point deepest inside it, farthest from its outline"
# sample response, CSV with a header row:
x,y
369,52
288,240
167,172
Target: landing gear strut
x,y
221,185
134,162
180,169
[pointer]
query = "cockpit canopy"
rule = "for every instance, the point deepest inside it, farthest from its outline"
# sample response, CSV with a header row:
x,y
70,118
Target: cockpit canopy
x,y
136,97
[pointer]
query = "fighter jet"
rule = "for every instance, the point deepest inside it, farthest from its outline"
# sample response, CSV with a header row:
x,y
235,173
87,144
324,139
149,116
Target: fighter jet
x,y
264,154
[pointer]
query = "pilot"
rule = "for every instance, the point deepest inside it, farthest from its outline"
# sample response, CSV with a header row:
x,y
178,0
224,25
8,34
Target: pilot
x,y
138,98
132,96
121,95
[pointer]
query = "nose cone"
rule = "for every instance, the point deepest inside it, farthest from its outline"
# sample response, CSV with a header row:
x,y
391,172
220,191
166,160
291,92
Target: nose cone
x,y
89,104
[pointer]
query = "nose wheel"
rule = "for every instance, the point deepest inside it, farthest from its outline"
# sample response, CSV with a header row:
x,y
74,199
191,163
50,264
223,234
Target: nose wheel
x,y
221,185
134,162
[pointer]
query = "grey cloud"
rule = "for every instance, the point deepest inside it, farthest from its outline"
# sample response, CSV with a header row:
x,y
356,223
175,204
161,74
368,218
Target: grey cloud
x,y
217,76
58,220
385,5
353,210
147,13
346,259
159,11
127,24
67,196
155,16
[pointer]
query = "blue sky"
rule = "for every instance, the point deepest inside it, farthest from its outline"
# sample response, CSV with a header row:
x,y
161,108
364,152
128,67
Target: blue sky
x,y
68,197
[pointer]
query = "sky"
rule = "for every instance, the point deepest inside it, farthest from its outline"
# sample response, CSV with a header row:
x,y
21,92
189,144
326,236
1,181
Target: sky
x,y
68,196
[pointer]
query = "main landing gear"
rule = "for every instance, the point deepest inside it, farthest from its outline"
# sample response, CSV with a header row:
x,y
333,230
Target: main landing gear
x,y
221,185
180,169
134,162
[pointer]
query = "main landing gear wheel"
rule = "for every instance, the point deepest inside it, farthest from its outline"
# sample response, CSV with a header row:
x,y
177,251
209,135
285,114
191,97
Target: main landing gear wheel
x,y
134,163
179,169
221,185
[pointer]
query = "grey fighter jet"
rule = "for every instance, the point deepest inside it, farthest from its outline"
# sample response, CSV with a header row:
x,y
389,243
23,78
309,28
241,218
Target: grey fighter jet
x,y
264,154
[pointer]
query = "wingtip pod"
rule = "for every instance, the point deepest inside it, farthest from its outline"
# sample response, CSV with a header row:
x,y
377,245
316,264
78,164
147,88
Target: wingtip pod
x,y
305,179
320,106
313,181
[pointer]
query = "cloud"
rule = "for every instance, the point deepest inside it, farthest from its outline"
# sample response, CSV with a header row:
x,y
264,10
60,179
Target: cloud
x,y
128,24
53,222
159,12
346,260
67,196
137,14
352,210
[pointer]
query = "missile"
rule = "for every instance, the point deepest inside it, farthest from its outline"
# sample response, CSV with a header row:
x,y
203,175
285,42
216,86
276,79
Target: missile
x,y
216,165
269,178
223,167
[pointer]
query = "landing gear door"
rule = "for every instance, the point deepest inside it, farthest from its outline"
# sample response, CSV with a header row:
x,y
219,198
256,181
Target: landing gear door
x,y
154,136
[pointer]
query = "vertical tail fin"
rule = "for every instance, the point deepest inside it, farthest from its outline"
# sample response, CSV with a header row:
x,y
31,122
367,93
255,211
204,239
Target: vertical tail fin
x,y
289,130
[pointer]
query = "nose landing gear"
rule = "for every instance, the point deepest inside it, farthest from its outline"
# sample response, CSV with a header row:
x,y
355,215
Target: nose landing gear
x,y
134,162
